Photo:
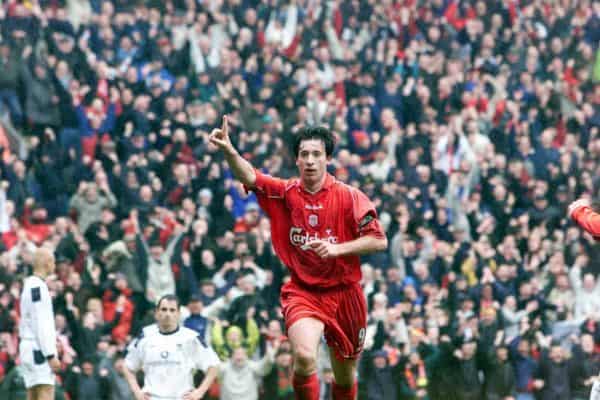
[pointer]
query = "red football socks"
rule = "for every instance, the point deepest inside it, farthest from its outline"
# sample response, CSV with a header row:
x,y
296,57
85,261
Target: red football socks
x,y
344,392
306,387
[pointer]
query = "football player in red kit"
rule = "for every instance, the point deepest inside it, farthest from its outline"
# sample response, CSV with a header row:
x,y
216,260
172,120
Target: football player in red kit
x,y
319,228
581,212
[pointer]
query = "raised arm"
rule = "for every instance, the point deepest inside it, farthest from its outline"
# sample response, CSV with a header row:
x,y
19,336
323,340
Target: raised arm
x,y
242,169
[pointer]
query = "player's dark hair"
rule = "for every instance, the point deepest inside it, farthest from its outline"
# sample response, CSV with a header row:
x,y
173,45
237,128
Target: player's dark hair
x,y
168,297
314,132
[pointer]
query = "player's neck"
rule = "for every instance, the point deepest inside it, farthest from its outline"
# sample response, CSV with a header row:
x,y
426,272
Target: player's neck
x,y
40,274
314,188
168,331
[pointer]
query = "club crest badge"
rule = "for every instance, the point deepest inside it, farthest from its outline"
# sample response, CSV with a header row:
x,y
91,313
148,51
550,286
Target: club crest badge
x,y
313,220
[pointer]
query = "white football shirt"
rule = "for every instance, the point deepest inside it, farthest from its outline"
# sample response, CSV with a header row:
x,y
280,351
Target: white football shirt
x,y
37,316
169,361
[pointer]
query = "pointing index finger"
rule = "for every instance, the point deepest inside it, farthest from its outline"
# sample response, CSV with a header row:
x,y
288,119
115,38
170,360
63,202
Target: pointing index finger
x,y
225,126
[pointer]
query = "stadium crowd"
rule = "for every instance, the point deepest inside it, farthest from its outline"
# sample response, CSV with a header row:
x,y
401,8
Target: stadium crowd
x,y
470,124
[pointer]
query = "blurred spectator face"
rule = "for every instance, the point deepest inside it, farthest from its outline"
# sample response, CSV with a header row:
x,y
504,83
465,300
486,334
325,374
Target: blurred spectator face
x,y
74,281
523,348
121,282
130,242
208,289
181,174
131,75
469,349
119,365
91,194
562,282
502,353
156,252
274,329
19,169
589,283
587,343
4,50
487,293
248,284
239,357
284,359
556,353
89,320
108,217
146,194
61,226
94,305
195,307
380,361
39,71
87,368
526,290
167,315
251,216
208,258
60,322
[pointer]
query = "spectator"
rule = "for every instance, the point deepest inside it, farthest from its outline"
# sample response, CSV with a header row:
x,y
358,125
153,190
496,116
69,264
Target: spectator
x,y
240,377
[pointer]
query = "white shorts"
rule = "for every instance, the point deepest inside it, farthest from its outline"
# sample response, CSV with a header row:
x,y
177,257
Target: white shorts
x,y
34,373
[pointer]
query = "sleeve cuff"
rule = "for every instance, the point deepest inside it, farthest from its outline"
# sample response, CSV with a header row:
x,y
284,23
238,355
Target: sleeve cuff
x,y
50,357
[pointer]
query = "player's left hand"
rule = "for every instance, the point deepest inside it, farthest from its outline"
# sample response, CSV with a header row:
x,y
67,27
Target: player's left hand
x,y
193,395
323,248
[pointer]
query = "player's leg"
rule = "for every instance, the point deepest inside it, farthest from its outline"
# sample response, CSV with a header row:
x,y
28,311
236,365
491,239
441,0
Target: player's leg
x,y
30,394
305,335
345,337
344,372
44,392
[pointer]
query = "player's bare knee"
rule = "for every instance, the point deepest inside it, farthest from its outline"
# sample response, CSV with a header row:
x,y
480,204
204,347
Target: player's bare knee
x,y
345,379
305,360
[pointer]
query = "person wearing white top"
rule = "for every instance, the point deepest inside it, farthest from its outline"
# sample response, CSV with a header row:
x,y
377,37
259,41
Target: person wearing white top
x,y
37,332
169,357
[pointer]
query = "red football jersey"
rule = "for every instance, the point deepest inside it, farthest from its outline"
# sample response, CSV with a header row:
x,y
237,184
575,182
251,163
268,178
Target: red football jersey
x,y
337,213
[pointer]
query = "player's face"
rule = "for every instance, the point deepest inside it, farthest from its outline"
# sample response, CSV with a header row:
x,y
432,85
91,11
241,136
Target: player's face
x,y
312,161
167,315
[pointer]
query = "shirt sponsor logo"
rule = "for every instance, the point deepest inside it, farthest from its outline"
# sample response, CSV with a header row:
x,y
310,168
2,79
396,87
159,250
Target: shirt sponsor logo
x,y
315,207
299,237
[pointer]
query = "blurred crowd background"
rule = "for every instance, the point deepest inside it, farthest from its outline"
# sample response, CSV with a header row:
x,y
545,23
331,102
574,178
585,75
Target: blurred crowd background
x,y
470,124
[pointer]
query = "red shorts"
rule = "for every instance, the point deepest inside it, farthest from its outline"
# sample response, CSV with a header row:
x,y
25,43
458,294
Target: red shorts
x,y
342,310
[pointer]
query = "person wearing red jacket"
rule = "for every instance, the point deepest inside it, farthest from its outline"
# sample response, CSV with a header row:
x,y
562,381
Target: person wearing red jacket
x,y
116,301
585,216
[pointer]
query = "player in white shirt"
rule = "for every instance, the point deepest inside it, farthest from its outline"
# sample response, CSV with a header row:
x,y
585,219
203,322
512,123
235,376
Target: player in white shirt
x,y
169,358
37,348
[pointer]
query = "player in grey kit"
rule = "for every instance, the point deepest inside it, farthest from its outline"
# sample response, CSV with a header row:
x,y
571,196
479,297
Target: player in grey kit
x,y
37,348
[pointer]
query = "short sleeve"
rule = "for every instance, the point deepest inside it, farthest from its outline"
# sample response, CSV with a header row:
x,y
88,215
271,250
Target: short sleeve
x,y
365,215
268,186
204,356
133,360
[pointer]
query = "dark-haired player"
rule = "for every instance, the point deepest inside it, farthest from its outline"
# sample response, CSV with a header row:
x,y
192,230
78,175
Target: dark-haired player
x,y
169,357
319,228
